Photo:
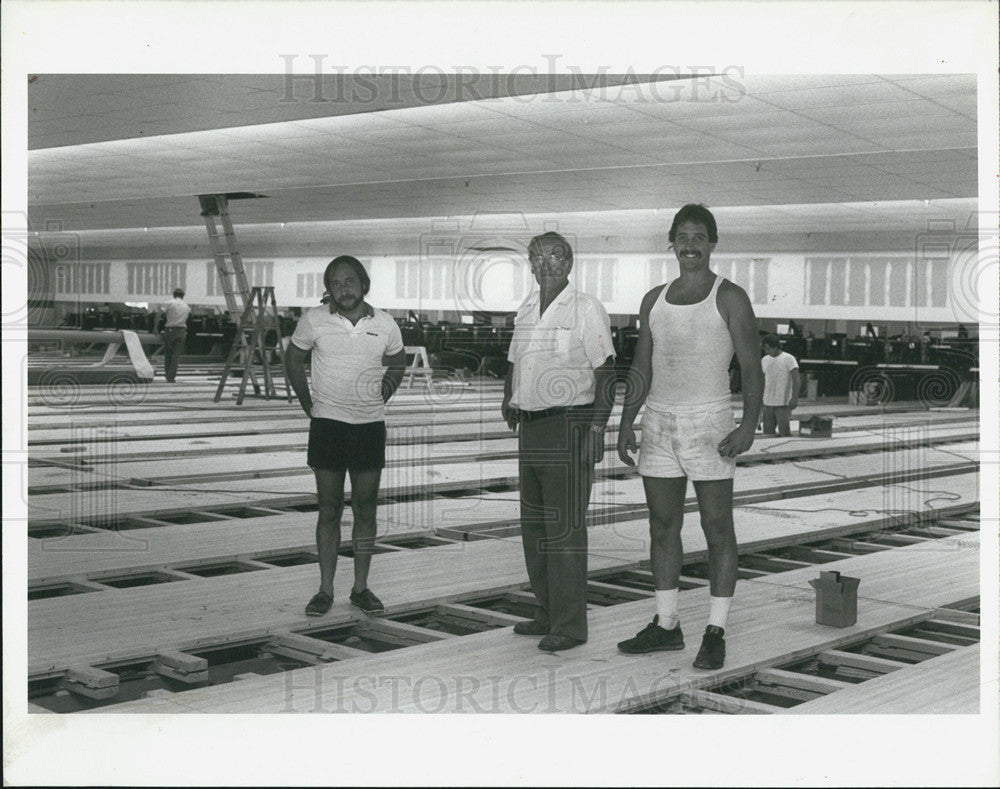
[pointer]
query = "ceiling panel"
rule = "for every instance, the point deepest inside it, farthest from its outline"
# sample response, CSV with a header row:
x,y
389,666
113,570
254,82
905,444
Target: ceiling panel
x,y
754,143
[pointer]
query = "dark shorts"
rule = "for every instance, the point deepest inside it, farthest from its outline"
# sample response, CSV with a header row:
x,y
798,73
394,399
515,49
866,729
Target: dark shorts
x,y
341,446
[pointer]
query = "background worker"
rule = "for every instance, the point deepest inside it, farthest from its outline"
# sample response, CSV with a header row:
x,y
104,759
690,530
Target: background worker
x,y
781,386
174,334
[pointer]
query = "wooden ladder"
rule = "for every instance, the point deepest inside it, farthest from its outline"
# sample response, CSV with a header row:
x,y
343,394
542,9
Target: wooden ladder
x,y
228,262
249,345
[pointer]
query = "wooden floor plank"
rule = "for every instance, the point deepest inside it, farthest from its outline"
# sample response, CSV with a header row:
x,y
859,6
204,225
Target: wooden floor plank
x,y
180,422
70,442
117,623
113,468
52,559
107,502
496,671
947,684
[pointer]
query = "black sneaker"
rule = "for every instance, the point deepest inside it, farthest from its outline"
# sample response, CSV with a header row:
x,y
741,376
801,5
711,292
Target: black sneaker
x,y
653,638
367,601
319,604
713,649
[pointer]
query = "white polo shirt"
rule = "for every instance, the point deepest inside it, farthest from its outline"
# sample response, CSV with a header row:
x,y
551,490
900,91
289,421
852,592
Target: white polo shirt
x,y
347,367
555,356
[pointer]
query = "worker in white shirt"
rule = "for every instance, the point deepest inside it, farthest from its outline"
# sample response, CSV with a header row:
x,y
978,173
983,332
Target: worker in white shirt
x,y
781,386
174,334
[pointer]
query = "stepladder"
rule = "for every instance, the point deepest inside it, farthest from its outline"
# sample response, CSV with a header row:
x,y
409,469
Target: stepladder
x,y
420,367
258,344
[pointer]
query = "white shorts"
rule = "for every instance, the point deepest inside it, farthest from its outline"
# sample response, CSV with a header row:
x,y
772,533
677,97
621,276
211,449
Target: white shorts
x,y
686,444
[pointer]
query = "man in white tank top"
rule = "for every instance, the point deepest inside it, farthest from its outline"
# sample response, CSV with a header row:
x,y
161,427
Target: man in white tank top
x,y
688,332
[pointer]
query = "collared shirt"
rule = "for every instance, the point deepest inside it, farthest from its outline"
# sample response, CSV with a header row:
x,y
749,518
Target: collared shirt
x,y
177,314
555,355
347,368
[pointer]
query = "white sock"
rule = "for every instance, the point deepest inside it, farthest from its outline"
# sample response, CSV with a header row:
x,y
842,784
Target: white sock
x,y
666,607
719,611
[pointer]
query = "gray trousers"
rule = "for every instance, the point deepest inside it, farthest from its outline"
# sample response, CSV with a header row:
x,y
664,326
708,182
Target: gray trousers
x,y
174,340
777,415
555,493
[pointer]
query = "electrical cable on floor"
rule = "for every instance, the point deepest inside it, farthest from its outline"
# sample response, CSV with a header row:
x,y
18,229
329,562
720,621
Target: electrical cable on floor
x,y
944,495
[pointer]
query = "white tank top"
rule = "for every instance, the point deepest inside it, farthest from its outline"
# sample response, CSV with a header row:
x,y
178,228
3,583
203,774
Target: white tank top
x,y
692,349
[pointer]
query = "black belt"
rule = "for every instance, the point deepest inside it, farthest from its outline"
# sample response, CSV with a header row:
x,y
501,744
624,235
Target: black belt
x,y
530,416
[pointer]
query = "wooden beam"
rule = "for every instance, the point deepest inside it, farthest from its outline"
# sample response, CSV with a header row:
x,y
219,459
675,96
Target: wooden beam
x,y
936,532
957,615
87,585
91,682
144,522
793,679
246,561
212,516
959,524
910,644
947,684
835,657
815,555
896,539
483,615
639,575
181,666
299,646
521,597
409,633
169,572
954,628
728,704
856,546
388,546
772,563
624,592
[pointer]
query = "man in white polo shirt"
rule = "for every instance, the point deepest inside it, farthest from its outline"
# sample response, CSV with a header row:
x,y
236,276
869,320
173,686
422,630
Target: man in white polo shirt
x,y
357,364
559,391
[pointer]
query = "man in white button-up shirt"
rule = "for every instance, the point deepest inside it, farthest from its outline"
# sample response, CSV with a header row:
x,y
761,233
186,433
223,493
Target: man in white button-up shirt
x,y
559,392
357,364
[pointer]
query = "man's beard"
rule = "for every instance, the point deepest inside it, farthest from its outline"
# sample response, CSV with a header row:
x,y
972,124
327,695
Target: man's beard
x,y
347,307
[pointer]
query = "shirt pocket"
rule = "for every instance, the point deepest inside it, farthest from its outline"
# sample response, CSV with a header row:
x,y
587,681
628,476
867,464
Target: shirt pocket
x,y
564,340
